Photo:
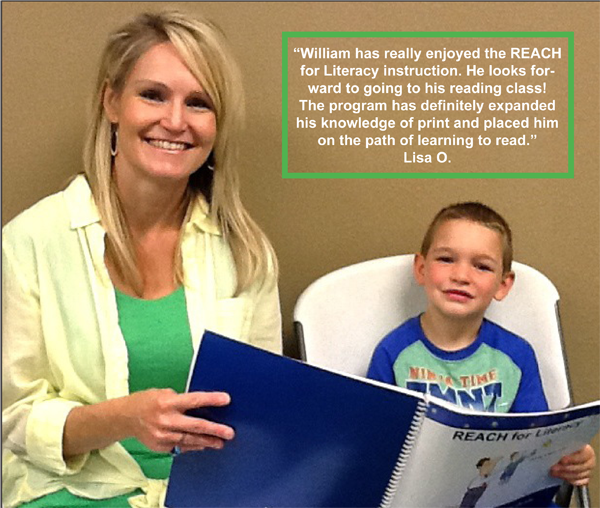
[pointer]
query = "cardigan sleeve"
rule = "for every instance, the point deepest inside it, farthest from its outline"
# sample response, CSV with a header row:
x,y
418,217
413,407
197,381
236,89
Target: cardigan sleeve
x,y
33,412
265,327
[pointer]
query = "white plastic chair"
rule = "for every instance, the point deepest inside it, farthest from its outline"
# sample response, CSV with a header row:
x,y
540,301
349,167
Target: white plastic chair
x,y
342,316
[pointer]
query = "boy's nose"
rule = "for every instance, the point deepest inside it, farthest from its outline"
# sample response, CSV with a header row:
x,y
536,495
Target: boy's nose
x,y
460,272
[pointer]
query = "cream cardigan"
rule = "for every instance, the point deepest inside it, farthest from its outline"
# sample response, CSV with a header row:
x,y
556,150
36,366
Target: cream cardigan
x,y
62,346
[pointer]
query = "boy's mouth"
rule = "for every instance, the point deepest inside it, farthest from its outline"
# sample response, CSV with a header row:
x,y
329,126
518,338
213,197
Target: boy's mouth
x,y
458,293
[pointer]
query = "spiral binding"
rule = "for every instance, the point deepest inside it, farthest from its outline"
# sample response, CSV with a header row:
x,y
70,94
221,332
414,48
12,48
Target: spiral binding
x,y
392,487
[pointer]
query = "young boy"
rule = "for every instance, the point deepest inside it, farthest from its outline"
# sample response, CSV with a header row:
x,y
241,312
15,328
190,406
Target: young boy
x,y
464,264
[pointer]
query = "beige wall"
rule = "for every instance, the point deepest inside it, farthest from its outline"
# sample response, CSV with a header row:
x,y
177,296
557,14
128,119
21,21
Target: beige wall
x,y
50,51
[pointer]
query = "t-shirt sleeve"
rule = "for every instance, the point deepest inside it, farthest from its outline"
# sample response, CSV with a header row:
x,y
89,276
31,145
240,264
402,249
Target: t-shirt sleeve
x,y
381,366
530,396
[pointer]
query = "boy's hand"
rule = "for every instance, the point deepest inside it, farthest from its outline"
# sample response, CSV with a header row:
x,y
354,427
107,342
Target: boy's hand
x,y
577,467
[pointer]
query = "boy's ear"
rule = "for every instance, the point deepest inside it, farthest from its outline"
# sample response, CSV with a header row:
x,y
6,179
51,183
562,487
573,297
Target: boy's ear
x,y
109,100
508,280
419,268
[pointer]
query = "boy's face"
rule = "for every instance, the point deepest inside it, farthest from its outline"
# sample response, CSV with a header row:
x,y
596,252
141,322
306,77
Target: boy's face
x,y
462,271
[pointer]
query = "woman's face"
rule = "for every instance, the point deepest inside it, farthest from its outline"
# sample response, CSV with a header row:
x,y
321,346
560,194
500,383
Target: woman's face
x,y
165,120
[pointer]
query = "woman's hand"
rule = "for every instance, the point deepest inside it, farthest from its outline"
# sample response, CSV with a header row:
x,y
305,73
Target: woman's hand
x,y
158,420
155,417
577,467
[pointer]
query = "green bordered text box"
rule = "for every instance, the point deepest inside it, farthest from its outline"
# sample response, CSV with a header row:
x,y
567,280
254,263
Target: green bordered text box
x,y
286,36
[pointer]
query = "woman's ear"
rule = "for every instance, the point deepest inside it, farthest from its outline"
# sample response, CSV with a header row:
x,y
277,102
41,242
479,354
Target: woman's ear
x,y
110,101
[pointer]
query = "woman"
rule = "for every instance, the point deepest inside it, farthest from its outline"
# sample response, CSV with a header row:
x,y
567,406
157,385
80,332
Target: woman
x,y
109,285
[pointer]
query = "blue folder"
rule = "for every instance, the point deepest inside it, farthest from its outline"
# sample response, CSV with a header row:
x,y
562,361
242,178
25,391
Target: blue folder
x,y
293,447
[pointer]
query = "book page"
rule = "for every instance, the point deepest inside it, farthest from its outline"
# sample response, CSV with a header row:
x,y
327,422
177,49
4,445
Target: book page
x,y
482,461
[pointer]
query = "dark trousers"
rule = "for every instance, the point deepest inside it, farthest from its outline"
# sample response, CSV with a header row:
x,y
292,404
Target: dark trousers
x,y
472,496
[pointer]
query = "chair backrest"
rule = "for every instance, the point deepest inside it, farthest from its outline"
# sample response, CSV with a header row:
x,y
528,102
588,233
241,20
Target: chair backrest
x,y
342,316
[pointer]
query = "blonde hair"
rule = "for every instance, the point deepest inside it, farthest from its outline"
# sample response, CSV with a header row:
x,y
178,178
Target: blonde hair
x,y
480,214
203,48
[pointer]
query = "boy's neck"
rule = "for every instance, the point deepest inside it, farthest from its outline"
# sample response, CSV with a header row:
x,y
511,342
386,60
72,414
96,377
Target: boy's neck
x,y
450,334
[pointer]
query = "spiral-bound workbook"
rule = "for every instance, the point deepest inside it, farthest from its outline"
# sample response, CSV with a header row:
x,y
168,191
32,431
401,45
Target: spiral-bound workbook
x,y
309,437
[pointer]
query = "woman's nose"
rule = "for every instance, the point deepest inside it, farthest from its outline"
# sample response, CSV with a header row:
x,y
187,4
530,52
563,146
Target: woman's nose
x,y
174,117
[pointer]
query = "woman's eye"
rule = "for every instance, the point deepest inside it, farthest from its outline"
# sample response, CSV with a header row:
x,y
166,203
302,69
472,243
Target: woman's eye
x,y
198,103
151,95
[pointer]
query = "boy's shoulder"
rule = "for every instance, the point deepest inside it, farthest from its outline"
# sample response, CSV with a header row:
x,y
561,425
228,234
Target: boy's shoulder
x,y
500,338
402,336
390,347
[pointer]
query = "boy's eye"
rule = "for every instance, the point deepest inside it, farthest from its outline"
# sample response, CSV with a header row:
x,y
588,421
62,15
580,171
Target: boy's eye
x,y
484,268
151,95
444,259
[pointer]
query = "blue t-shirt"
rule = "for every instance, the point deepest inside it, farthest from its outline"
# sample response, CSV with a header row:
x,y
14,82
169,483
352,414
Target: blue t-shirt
x,y
498,372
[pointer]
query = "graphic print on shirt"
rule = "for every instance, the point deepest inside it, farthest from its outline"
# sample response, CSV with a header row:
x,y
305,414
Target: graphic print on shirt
x,y
488,380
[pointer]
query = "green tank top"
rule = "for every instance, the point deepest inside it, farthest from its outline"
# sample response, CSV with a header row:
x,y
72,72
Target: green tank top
x,y
160,351
159,345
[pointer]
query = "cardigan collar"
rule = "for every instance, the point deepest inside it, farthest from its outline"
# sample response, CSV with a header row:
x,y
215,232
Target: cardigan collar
x,y
84,212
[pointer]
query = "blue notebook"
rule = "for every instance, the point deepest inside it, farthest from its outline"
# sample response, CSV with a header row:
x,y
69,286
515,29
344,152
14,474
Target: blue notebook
x,y
309,437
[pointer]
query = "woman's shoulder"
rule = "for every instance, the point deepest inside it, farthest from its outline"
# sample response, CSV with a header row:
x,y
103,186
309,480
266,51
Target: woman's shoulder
x,y
48,217
37,218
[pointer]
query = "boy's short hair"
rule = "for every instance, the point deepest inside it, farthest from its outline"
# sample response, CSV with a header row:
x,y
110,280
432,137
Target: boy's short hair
x,y
476,212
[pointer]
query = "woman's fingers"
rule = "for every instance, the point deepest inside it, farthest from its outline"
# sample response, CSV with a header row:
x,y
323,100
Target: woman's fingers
x,y
190,442
162,424
200,426
194,400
